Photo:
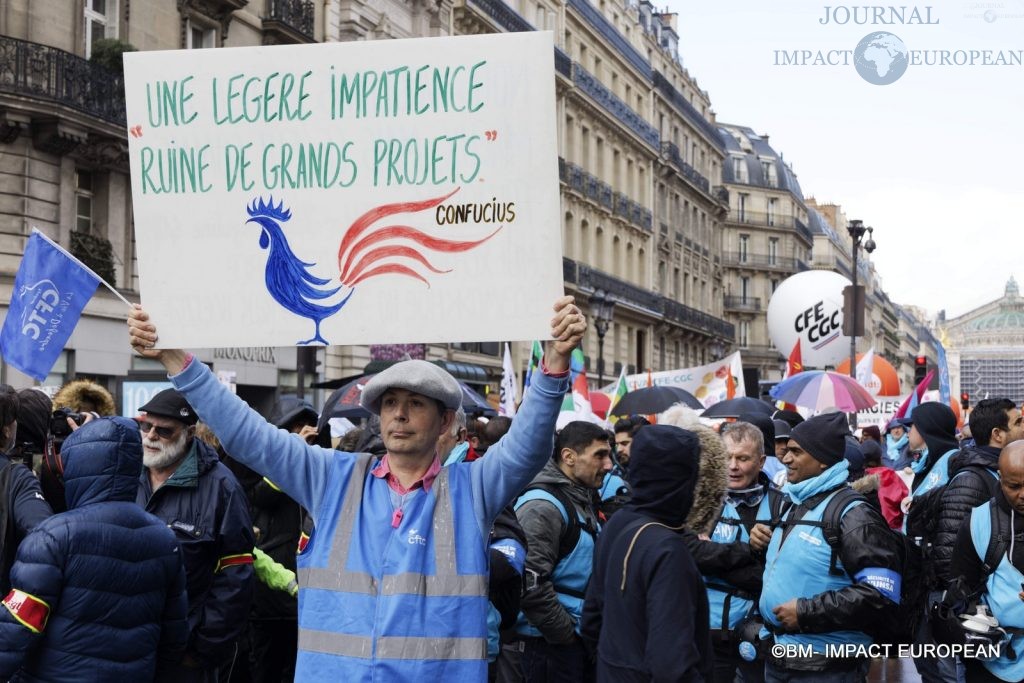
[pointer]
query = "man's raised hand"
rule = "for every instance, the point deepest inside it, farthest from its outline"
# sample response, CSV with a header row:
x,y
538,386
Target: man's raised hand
x,y
567,328
143,337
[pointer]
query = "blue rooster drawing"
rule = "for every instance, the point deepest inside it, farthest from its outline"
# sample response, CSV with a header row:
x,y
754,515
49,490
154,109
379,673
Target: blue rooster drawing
x,y
292,285
287,276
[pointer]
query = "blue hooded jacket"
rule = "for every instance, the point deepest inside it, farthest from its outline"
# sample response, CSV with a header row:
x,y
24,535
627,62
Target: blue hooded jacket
x,y
98,592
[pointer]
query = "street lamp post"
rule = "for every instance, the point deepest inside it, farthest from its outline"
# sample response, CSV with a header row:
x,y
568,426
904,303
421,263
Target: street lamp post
x,y
857,231
602,307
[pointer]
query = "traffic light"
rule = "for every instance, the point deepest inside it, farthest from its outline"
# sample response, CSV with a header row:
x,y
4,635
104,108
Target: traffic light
x,y
920,368
965,400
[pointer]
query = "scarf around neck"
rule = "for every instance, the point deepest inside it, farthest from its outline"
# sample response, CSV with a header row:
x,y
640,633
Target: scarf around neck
x,y
808,488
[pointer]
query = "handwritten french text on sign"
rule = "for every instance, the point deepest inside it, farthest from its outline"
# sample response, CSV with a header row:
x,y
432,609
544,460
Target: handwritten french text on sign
x,y
347,193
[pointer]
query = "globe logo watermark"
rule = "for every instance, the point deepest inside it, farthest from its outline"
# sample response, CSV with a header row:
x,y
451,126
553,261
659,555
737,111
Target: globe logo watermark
x,y
880,58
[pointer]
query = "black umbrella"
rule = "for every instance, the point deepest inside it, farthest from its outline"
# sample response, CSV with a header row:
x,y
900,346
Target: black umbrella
x,y
344,401
734,407
651,400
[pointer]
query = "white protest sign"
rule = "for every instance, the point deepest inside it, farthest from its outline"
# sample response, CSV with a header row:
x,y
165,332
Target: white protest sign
x,y
881,413
708,383
347,193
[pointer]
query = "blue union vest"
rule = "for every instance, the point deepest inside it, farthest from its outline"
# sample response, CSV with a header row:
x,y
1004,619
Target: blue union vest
x,y
799,568
726,608
411,602
1001,591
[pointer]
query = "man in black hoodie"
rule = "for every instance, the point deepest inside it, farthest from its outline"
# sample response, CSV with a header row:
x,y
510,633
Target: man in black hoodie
x,y
646,612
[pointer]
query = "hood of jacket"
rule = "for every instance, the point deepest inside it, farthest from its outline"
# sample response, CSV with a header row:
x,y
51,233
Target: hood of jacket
x,y
982,456
868,484
664,466
936,424
102,462
553,476
711,482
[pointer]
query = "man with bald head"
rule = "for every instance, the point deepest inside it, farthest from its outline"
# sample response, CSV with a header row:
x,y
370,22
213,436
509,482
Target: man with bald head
x,y
1002,517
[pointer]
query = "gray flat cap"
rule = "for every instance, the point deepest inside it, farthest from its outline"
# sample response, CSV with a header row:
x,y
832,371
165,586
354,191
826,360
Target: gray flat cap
x,y
417,376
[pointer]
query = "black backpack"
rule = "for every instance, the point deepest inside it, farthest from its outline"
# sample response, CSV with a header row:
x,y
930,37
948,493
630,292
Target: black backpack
x,y
902,626
570,535
961,598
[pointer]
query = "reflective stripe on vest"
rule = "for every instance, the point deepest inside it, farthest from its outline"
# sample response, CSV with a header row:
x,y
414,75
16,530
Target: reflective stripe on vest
x,y
446,582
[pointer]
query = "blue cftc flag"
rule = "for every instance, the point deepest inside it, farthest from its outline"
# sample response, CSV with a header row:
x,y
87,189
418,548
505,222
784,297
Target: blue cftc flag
x,y
50,291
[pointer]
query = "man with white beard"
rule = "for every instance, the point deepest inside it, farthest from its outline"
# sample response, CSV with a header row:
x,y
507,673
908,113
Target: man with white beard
x,y
186,485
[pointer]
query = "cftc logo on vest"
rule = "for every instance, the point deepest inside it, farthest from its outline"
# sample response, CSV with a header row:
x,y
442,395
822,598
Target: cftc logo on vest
x,y
881,57
415,538
43,309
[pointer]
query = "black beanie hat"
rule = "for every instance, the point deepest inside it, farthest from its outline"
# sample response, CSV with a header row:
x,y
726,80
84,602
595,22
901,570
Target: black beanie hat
x,y
823,436
767,427
34,418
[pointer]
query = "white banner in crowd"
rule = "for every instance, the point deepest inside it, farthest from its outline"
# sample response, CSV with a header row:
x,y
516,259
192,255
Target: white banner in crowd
x,y
708,383
347,193
881,413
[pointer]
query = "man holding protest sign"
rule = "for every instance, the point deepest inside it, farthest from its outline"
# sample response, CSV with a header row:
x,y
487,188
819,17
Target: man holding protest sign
x,y
394,579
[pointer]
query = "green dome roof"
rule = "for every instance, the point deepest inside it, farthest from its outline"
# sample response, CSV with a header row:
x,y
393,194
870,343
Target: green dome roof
x,y
1001,320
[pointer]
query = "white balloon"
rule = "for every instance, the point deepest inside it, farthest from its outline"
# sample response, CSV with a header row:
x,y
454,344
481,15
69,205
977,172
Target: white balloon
x,y
809,306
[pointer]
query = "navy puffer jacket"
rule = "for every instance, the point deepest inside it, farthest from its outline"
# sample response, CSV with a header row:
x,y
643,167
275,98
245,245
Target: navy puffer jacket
x,y
98,592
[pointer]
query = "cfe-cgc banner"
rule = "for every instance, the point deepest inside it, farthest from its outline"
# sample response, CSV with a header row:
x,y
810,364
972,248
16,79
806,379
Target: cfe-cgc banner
x,y
347,193
708,383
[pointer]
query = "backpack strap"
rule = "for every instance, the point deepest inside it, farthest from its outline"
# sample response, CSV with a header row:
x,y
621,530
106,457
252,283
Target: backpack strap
x,y
998,542
830,523
570,535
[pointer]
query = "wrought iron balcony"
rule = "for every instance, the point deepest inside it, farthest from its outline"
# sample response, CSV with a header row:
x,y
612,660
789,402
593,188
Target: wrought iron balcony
x,y
614,106
47,73
503,15
289,21
563,64
698,320
762,261
670,150
689,112
600,192
742,303
804,231
760,218
589,278
600,24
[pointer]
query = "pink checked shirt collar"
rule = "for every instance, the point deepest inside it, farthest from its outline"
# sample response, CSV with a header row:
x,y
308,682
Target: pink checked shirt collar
x,y
383,471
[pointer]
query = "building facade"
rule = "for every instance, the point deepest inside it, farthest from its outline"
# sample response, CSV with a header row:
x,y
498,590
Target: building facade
x,y
640,164
986,347
766,240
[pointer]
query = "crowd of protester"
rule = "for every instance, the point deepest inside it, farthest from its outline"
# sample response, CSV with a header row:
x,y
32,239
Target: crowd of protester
x,y
202,542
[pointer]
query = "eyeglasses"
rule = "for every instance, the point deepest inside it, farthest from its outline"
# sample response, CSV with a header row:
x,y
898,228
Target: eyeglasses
x,y
163,432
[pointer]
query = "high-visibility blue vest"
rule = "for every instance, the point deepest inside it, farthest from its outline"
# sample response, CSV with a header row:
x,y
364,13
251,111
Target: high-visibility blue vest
x,y
722,595
572,573
1001,596
799,568
410,602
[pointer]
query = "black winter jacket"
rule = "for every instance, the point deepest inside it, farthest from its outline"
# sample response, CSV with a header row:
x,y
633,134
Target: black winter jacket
x,y
110,573
646,613
543,525
22,508
865,541
205,507
969,486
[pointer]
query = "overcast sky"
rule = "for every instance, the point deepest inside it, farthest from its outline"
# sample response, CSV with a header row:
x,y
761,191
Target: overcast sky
x,y
933,161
